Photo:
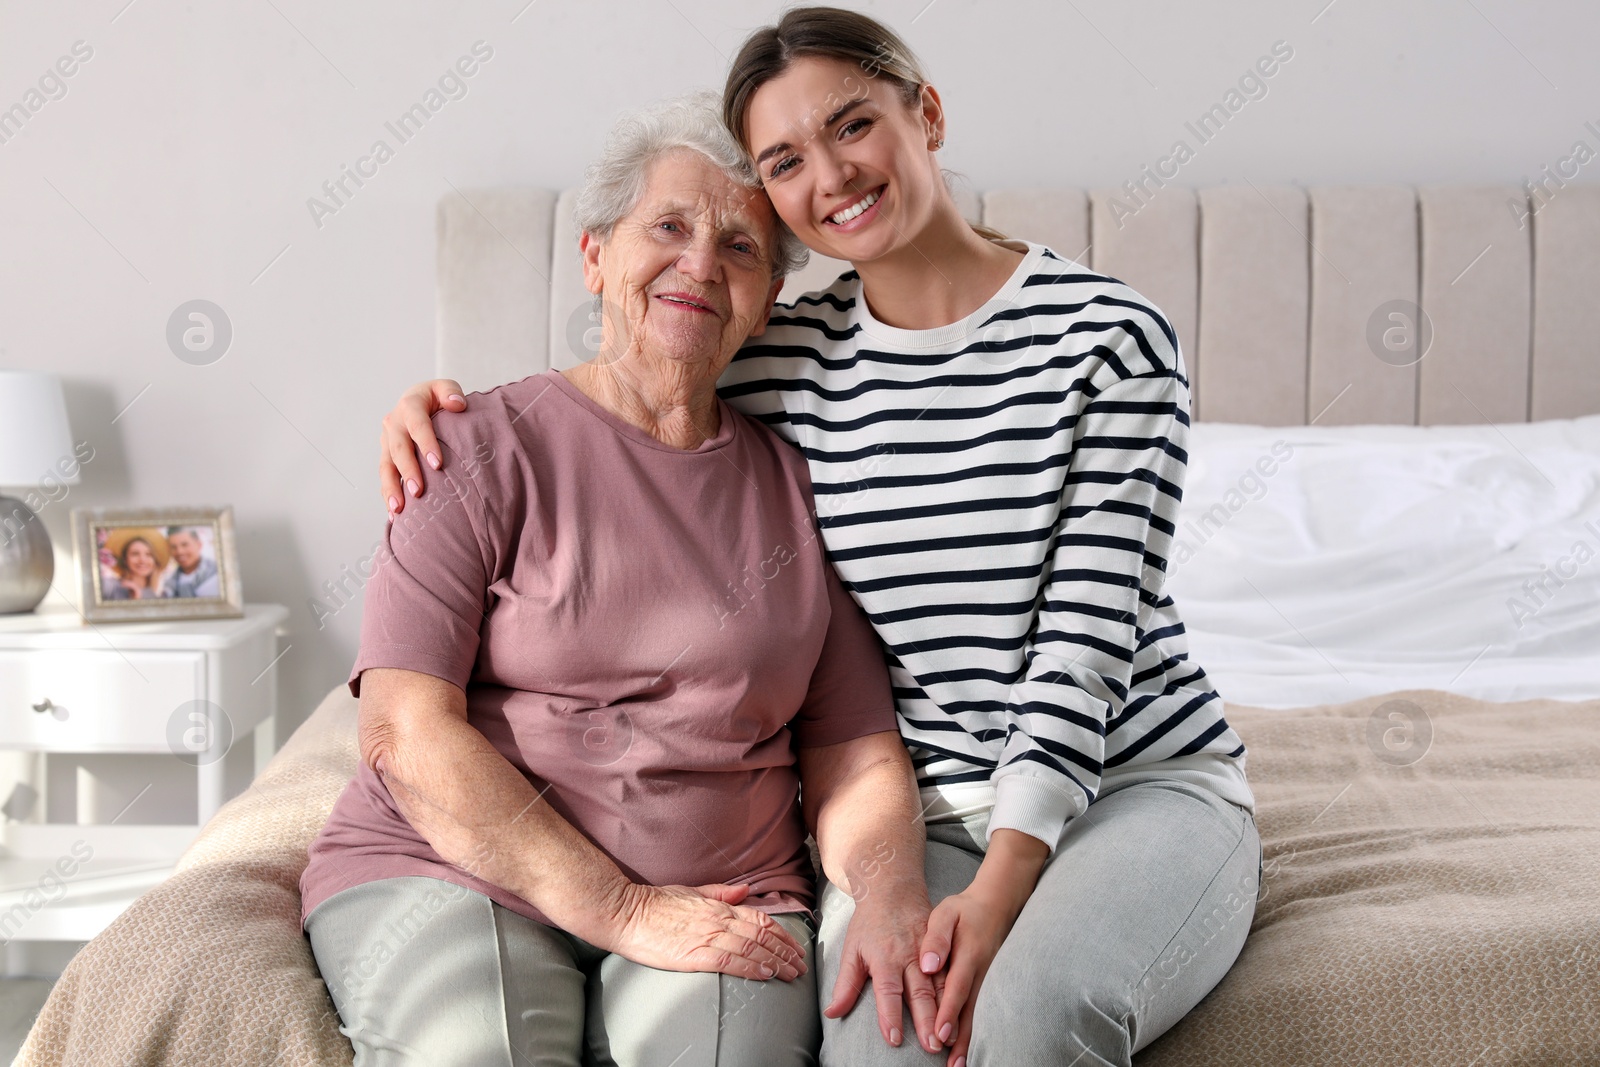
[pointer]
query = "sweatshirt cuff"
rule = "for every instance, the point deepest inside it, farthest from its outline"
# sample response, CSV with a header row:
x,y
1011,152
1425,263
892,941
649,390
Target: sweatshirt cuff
x,y
1032,805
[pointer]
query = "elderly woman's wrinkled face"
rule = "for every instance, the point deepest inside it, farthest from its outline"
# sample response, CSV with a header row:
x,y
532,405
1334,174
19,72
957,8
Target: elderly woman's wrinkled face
x,y
687,274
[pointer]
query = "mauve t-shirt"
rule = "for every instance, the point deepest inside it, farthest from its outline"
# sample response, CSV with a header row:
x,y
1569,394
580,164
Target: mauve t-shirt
x,y
647,633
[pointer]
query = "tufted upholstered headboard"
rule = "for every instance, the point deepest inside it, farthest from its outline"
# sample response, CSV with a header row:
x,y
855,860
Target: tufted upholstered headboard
x,y
1278,293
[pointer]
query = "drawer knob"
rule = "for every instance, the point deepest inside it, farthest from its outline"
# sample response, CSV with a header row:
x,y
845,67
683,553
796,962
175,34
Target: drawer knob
x,y
54,709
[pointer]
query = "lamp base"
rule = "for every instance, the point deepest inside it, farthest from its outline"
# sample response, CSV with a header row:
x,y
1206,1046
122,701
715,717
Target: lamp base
x,y
27,563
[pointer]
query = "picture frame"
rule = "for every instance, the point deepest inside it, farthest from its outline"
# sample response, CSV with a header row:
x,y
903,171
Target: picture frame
x,y
143,564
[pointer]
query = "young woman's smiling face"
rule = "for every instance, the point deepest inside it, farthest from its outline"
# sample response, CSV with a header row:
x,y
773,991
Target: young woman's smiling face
x,y
847,164
141,560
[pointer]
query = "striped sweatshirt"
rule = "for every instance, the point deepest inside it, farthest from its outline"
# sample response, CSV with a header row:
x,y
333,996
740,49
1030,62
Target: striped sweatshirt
x,y
1000,496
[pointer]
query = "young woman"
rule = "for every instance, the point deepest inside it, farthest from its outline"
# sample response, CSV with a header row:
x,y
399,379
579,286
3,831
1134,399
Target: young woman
x,y
996,439
138,571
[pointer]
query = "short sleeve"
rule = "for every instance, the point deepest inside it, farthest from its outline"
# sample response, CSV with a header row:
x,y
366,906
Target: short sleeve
x,y
429,593
849,695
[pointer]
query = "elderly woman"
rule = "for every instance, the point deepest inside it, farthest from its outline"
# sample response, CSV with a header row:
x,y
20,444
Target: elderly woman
x,y
593,677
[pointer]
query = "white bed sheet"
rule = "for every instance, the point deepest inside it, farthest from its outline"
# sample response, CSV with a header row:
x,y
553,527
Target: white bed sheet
x,y
1362,560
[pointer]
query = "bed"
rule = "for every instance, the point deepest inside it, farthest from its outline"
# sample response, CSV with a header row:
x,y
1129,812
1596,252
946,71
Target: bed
x,y
1392,575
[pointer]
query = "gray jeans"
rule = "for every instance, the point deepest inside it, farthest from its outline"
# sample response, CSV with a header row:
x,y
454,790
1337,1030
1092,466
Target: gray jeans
x,y
427,973
1139,913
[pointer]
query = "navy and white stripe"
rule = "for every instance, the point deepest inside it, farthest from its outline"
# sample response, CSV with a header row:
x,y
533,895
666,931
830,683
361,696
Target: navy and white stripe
x,y
1000,496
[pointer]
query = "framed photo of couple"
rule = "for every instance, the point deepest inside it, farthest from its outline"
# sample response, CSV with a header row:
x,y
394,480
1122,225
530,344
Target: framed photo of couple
x,y
139,564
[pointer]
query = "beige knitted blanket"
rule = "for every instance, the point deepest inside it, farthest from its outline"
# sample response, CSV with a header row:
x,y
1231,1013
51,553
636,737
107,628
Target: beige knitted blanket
x,y
1431,896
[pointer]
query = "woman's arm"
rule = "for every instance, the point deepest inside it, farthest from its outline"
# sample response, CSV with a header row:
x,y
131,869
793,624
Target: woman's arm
x,y
860,801
408,434
481,814
1113,537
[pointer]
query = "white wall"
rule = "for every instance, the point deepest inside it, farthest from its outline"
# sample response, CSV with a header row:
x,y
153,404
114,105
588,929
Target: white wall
x,y
179,163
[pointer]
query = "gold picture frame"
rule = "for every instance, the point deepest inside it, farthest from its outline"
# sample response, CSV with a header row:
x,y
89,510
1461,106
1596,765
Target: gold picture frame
x,y
143,564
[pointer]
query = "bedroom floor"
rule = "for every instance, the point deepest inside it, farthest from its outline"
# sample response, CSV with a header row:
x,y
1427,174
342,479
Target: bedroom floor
x,y
20,1001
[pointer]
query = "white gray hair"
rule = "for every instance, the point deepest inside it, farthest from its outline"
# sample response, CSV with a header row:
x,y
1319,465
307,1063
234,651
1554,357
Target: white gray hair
x,y
613,183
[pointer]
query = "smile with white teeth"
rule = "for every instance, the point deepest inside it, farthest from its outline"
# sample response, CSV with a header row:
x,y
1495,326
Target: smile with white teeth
x,y
854,209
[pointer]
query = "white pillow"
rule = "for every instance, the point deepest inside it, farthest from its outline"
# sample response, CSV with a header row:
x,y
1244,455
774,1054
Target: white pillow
x,y
1320,564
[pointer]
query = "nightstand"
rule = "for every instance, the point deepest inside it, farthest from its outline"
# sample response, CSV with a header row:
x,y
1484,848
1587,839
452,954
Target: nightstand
x,y
139,732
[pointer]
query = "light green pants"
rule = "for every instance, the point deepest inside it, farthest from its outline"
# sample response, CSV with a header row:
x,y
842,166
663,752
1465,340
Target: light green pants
x,y
426,973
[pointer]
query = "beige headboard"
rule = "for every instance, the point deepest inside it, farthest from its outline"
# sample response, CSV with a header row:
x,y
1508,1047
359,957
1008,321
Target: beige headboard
x,y
1281,295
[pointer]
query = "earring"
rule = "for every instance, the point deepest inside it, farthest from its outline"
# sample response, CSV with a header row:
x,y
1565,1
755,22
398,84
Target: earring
x,y
939,143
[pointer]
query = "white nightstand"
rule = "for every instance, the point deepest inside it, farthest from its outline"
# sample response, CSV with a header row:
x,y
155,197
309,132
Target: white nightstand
x,y
150,718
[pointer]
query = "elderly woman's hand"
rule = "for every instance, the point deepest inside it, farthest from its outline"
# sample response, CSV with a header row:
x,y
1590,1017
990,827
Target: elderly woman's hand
x,y
883,943
704,928
408,434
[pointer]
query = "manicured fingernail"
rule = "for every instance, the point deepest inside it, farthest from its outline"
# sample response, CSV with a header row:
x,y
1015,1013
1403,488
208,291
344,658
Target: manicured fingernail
x,y
961,1061
433,461
411,484
458,398
946,1031
932,1043
394,504
894,1036
930,962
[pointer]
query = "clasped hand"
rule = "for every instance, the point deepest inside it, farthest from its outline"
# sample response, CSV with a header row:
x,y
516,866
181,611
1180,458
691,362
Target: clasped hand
x,y
930,961
702,928
934,960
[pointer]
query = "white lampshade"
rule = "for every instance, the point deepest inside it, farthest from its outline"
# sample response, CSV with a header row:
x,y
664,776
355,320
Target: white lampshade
x,y
35,440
